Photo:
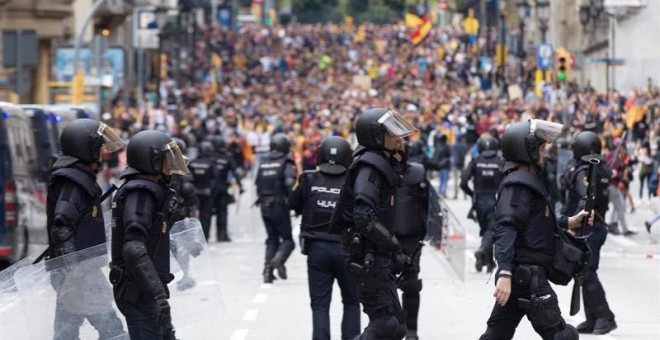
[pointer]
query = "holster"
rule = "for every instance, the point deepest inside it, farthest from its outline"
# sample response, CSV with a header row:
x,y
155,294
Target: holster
x,y
304,244
125,288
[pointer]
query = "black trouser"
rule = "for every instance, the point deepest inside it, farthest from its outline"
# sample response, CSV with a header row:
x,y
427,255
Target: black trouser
x,y
593,294
325,264
410,299
504,319
141,320
485,208
205,213
380,301
276,219
221,215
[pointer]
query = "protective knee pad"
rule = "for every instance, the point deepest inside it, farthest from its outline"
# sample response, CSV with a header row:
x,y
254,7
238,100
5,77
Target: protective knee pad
x,y
411,286
568,333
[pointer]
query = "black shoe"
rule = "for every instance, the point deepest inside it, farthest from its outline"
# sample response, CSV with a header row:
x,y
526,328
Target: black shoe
x,y
479,263
585,327
648,227
268,275
629,233
412,335
281,270
604,326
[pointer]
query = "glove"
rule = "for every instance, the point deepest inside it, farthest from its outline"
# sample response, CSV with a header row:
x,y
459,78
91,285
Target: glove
x,y
162,310
401,262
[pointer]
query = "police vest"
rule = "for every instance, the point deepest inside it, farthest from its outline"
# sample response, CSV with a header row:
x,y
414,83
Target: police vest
x,y
579,172
202,173
90,229
158,240
320,194
222,165
538,237
411,208
270,176
487,175
342,217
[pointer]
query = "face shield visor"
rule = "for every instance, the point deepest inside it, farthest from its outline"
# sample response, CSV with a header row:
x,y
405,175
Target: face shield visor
x,y
174,162
396,125
545,131
111,141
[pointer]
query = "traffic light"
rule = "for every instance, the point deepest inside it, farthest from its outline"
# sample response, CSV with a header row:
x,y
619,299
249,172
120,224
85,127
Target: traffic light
x,y
564,64
561,68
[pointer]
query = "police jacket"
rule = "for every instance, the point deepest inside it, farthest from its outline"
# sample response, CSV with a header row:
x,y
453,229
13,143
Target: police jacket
x,y
575,182
141,211
225,165
74,201
315,198
370,184
204,175
485,173
275,176
524,222
412,202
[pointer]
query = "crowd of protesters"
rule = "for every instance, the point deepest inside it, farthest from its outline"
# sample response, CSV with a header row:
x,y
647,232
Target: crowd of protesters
x,y
311,81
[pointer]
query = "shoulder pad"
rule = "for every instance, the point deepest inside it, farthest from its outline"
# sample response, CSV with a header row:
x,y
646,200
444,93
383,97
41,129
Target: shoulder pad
x,y
80,178
379,163
527,179
143,184
415,173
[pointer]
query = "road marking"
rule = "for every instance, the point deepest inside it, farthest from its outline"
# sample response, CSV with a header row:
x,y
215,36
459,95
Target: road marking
x,y
250,315
239,334
260,298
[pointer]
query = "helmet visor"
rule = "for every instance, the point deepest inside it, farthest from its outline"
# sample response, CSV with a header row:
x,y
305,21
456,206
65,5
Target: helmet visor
x,y
174,162
396,125
111,141
544,130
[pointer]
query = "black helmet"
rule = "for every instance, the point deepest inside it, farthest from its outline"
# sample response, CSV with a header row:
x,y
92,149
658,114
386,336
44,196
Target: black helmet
x,y
585,143
488,146
521,141
563,143
206,148
150,151
280,143
335,155
371,126
82,139
415,148
218,142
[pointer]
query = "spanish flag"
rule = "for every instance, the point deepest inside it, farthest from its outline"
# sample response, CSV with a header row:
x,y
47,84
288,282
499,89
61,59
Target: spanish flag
x,y
421,31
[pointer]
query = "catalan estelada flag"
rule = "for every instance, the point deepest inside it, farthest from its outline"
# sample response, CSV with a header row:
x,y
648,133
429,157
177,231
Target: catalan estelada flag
x,y
421,31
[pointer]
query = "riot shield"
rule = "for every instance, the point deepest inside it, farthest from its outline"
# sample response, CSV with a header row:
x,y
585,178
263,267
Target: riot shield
x,y
70,296
453,233
13,321
195,294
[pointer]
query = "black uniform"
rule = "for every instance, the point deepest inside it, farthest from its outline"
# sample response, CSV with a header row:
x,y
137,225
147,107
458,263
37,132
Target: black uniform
x,y
365,217
75,220
596,308
205,178
275,178
410,227
315,198
486,176
225,167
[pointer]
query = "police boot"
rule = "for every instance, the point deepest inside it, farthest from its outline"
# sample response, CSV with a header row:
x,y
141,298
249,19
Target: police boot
x,y
268,274
411,335
604,326
283,253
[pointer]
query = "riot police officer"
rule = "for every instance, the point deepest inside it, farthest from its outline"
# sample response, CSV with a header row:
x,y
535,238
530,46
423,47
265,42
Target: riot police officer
x,y
365,217
411,219
415,152
276,176
525,238
314,198
486,176
75,219
587,146
225,167
141,216
205,176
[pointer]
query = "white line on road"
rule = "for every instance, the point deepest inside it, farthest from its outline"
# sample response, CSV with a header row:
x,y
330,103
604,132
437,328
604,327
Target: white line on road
x,y
260,298
239,334
250,315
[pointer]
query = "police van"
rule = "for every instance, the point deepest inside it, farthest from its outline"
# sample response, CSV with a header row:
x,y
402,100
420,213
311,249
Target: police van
x,y
29,142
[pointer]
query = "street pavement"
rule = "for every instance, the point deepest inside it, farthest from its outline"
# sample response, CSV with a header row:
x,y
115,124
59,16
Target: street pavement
x,y
450,308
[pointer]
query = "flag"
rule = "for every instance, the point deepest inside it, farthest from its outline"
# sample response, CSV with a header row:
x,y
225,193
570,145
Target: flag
x,y
413,20
422,31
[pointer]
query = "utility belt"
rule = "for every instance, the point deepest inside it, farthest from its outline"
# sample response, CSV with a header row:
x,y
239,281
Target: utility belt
x,y
270,200
127,289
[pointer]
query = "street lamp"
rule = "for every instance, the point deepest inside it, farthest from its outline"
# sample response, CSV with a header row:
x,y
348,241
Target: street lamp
x,y
161,20
523,13
543,13
584,16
